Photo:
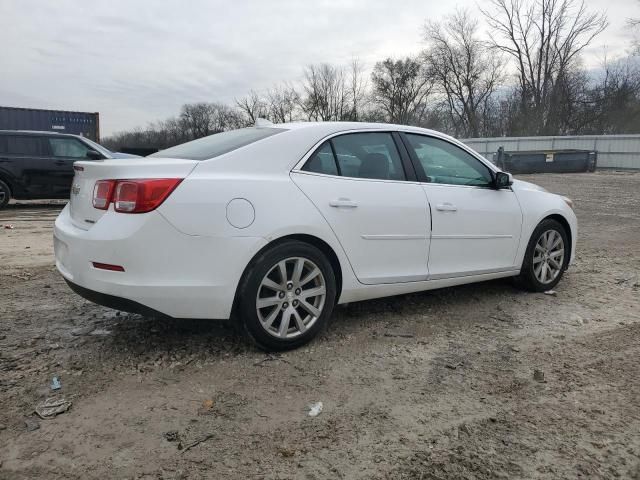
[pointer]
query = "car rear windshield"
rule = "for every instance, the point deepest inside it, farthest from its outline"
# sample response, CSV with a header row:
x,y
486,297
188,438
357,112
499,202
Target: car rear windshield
x,y
218,144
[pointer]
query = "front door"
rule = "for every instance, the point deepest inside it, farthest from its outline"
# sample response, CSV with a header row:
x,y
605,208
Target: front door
x,y
358,183
476,228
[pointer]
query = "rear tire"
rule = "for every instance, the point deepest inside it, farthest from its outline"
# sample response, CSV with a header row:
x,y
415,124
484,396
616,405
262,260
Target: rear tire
x,y
5,194
546,258
286,296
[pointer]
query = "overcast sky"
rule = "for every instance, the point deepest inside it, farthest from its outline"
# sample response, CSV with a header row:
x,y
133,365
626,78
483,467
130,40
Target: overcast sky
x,y
137,61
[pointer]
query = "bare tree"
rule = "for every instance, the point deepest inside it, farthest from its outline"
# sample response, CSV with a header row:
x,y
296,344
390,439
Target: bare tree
x,y
202,119
545,38
325,93
253,106
400,89
282,103
464,70
357,85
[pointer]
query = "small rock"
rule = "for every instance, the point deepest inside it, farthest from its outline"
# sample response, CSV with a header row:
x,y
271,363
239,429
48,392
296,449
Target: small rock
x,y
538,375
31,424
315,409
78,332
576,319
2,427
171,436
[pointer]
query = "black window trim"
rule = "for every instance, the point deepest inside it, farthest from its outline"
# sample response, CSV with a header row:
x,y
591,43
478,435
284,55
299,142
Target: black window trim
x,y
422,176
405,161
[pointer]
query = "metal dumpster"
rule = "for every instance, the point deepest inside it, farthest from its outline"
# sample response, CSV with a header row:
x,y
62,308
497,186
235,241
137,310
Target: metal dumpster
x,y
554,161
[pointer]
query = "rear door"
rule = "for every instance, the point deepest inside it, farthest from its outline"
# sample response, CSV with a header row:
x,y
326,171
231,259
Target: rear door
x,y
476,228
32,164
359,183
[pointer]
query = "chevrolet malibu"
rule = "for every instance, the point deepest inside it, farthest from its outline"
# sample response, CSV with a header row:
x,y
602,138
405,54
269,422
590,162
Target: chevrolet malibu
x,y
274,225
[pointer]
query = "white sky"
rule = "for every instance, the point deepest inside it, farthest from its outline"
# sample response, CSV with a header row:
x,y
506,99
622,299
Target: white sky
x,y
139,61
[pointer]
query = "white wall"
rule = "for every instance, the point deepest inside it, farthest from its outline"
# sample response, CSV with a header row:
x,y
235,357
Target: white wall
x,y
614,151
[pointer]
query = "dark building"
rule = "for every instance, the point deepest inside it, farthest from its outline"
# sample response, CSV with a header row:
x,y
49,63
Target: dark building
x,y
77,123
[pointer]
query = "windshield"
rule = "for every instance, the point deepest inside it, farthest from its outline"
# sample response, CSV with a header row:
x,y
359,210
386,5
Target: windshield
x,y
218,144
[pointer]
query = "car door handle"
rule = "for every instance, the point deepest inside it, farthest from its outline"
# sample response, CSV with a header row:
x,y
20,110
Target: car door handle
x,y
446,207
343,203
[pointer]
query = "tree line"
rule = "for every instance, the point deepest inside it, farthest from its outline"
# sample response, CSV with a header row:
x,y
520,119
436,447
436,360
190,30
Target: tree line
x,y
527,79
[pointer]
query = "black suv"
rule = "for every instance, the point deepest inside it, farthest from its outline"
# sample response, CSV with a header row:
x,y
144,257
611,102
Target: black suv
x,y
35,165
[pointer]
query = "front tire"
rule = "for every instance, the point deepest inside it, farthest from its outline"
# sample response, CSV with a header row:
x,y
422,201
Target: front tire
x,y
5,194
286,296
546,258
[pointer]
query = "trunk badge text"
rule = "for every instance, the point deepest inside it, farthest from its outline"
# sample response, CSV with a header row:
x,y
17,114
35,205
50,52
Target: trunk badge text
x,y
75,189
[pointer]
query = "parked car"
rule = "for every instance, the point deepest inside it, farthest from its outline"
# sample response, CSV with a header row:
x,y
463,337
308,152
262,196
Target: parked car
x,y
37,165
272,226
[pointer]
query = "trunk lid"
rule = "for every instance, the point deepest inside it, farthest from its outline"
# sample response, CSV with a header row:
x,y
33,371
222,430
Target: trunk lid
x,y
83,214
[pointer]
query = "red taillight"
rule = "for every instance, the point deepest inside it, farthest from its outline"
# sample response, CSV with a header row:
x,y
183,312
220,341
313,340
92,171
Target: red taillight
x,y
133,196
102,193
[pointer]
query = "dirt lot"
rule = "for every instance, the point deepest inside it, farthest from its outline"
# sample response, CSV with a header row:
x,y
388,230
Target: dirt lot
x,y
425,386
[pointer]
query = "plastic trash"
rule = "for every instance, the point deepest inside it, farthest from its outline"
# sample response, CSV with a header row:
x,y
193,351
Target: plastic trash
x,y
9,226
55,383
315,409
52,407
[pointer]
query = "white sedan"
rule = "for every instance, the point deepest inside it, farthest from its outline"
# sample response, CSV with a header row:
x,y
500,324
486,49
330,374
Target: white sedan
x,y
274,225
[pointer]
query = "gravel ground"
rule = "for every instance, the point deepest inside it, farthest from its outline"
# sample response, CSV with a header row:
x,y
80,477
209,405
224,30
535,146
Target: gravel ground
x,y
479,381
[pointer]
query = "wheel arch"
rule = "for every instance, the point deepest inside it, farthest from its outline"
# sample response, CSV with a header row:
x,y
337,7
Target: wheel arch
x,y
5,178
567,227
317,242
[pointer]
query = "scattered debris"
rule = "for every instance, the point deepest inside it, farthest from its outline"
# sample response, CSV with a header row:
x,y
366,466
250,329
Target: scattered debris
x,y
55,383
197,442
538,376
172,436
32,424
9,226
453,366
576,319
551,292
86,330
286,452
52,406
206,407
315,409
101,331
401,335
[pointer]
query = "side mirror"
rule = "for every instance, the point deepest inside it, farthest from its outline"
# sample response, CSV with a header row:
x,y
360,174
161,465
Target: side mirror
x,y
93,155
503,180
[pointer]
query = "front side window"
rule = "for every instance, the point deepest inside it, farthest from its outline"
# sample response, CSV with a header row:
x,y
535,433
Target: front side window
x,y
446,163
68,147
372,155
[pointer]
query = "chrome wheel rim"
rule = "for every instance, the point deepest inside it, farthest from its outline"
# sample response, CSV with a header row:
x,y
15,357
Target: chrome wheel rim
x,y
291,297
548,256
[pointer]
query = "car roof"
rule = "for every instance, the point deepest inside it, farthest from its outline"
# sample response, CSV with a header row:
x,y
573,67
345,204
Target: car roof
x,y
37,133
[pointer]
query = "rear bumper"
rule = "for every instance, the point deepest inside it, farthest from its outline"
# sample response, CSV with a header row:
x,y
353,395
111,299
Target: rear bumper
x,y
111,301
166,271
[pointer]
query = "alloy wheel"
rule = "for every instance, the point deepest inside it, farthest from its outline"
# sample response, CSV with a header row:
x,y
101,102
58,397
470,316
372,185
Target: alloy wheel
x,y
291,297
548,256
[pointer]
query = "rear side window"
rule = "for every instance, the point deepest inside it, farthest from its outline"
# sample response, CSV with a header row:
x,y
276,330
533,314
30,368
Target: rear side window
x,y
26,145
68,147
372,155
218,144
322,161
